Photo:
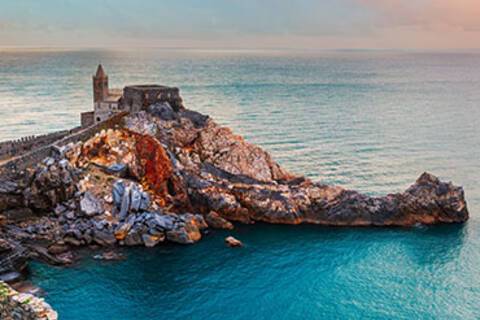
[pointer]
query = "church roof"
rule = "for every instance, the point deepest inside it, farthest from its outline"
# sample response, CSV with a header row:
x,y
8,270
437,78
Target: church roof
x,y
100,72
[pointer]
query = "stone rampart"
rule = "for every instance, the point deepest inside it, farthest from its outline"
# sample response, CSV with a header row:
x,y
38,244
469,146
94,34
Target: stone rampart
x,y
19,163
20,146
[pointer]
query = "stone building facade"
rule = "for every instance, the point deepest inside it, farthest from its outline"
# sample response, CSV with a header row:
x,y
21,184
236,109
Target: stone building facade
x,y
108,102
137,98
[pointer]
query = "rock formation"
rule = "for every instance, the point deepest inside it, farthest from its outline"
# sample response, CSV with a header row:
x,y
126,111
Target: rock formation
x,y
23,306
167,175
232,242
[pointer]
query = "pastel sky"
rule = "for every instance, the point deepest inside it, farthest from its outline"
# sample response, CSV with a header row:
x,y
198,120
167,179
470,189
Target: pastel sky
x,y
302,24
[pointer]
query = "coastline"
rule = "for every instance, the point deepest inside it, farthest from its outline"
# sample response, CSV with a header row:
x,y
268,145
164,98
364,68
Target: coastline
x,y
164,175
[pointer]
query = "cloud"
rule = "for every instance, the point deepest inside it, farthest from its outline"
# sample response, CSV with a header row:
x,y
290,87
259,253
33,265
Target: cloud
x,y
430,14
242,23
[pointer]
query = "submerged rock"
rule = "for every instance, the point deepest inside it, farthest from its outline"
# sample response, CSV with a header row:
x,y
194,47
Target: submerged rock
x,y
109,256
232,242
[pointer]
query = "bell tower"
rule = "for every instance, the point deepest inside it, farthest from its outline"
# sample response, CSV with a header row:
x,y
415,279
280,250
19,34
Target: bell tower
x,y
100,85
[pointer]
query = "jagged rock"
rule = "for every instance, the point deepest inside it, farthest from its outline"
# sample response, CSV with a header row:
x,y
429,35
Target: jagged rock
x,y
59,209
118,169
152,240
188,231
70,215
141,123
164,111
11,277
164,222
58,248
49,185
129,197
195,219
73,241
29,288
123,228
184,162
104,238
118,189
226,151
134,236
232,242
41,253
49,161
90,205
214,220
24,306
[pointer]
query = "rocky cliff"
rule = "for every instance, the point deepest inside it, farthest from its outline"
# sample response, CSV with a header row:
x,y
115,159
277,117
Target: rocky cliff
x,y
166,175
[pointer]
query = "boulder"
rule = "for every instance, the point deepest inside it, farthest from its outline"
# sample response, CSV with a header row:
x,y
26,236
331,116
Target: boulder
x,y
163,221
90,205
11,277
134,236
118,169
214,220
129,197
104,238
58,248
152,240
123,228
232,242
73,241
163,110
188,230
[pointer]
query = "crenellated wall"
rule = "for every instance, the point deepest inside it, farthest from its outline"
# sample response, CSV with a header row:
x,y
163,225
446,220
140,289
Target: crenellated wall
x,y
27,159
17,147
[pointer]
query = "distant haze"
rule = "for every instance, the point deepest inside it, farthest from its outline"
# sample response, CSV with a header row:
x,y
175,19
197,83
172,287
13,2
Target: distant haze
x,y
242,24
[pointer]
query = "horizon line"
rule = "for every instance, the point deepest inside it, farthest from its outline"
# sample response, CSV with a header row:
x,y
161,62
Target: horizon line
x,y
225,49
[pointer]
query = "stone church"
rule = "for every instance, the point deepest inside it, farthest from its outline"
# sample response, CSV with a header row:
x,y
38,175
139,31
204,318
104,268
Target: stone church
x,y
107,102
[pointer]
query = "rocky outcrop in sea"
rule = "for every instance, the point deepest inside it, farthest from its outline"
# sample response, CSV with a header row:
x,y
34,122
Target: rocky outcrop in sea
x,y
23,306
165,175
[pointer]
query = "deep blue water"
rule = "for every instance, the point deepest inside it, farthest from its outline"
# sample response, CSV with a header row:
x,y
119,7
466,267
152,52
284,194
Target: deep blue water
x,y
371,121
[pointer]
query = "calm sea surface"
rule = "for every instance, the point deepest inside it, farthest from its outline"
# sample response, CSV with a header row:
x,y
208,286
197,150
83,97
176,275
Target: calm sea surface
x,y
373,121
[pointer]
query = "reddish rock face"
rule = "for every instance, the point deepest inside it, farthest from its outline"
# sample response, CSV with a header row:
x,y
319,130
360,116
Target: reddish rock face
x,y
146,159
156,165
241,182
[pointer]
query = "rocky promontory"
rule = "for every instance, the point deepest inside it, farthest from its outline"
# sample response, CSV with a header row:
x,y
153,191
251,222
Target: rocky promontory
x,y
168,175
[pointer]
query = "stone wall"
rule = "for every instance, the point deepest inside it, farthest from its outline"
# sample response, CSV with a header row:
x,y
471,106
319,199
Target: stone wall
x,y
137,98
17,147
87,119
20,163
23,306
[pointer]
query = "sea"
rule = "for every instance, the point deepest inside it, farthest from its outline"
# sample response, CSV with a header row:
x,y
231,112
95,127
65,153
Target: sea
x,y
366,120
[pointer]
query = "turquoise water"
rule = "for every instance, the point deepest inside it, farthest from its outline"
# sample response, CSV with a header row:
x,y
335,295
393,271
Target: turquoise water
x,y
372,121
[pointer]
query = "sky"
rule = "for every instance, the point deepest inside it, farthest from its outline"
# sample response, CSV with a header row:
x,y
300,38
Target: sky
x,y
242,24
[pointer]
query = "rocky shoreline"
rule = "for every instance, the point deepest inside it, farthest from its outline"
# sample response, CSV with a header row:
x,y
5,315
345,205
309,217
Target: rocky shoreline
x,y
169,175
23,306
